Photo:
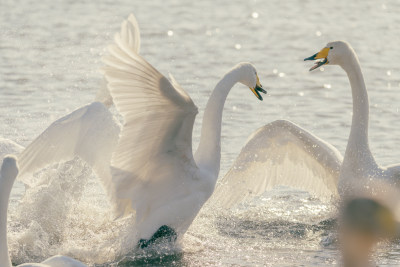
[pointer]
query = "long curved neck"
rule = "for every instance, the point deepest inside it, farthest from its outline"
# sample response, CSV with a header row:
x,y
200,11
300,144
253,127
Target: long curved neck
x,y
358,145
5,190
208,154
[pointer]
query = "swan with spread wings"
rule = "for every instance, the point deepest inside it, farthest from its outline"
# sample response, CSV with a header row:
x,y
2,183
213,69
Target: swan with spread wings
x,y
153,172
283,153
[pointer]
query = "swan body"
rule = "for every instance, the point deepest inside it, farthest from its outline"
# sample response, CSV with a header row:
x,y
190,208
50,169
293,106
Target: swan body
x,y
359,166
281,152
152,171
8,173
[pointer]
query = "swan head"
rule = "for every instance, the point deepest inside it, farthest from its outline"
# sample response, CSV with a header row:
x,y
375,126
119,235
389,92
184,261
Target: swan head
x,y
248,76
334,53
9,168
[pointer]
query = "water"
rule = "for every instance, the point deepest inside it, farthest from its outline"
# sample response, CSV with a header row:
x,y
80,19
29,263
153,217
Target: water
x,y
49,56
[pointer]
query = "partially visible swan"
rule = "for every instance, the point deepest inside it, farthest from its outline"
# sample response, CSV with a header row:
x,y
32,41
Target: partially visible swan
x,y
364,221
153,171
282,153
8,173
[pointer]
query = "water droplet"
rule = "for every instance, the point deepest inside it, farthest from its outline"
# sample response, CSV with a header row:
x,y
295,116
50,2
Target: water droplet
x,y
321,69
274,71
318,33
238,46
327,86
254,15
300,93
234,108
170,33
388,73
208,33
281,74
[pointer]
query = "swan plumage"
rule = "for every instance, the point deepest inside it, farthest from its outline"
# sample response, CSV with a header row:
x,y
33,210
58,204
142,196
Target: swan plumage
x,y
283,153
278,154
8,173
152,171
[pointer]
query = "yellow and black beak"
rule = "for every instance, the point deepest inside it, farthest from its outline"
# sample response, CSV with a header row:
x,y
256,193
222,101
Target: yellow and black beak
x,y
321,56
256,90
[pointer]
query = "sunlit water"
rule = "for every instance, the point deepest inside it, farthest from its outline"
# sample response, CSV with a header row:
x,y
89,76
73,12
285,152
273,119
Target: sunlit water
x,y
49,56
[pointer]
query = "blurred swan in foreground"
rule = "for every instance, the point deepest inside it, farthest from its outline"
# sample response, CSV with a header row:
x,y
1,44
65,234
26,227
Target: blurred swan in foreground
x,y
363,222
153,171
282,153
8,173
366,219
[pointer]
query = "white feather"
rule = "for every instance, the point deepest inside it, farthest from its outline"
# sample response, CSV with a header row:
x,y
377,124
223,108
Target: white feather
x,y
281,153
89,132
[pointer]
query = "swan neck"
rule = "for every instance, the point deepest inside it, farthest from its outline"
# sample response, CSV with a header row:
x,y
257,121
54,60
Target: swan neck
x,y
360,98
208,154
5,191
358,145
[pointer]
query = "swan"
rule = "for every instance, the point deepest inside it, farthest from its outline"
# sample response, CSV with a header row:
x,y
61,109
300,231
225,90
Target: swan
x,y
283,153
364,221
151,171
8,173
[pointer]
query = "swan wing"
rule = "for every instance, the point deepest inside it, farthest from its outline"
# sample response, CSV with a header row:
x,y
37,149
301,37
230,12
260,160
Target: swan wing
x,y
281,153
89,132
130,33
158,122
393,174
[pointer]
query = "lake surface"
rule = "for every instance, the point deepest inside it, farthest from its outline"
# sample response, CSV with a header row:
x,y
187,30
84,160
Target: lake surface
x,y
49,59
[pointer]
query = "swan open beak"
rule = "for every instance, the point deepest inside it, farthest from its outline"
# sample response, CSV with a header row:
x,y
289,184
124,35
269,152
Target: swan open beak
x,y
256,90
322,55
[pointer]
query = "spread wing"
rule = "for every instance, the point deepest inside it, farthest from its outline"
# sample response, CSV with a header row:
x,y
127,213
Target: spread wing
x,y
131,35
89,132
281,153
158,121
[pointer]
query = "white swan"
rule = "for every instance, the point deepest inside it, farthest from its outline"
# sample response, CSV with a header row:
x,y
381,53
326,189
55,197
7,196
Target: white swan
x,y
8,173
282,153
153,170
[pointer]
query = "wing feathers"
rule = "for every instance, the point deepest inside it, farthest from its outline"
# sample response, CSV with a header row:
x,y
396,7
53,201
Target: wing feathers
x,y
158,119
281,153
89,132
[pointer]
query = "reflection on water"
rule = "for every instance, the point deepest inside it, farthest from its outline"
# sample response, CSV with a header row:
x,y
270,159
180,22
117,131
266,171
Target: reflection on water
x,y
154,259
269,230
